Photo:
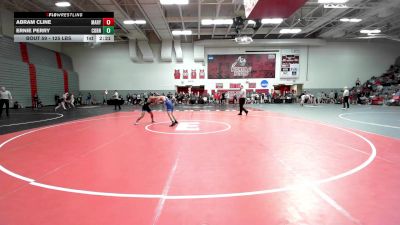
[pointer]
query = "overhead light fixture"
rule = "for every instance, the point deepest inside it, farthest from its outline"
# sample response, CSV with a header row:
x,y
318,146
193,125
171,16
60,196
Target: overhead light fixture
x,y
181,32
244,40
174,2
134,21
332,1
290,31
352,20
63,4
216,22
355,20
272,21
251,22
370,31
335,6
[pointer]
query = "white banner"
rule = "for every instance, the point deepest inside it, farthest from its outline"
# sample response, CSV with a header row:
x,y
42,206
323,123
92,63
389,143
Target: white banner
x,y
290,67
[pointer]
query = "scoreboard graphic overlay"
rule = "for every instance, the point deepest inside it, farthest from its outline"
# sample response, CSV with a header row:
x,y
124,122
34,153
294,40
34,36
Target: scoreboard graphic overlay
x,y
63,26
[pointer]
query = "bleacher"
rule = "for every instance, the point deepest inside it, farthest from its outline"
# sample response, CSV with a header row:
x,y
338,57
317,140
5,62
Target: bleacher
x,y
381,90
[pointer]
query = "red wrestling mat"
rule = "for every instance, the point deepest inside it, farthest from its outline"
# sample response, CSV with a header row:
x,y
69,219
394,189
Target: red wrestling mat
x,y
212,168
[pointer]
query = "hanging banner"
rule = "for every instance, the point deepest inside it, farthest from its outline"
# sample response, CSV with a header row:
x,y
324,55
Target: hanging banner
x,y
202,75
219,85
185,74
290,66
252,85
234,85
241,66
193,74
177,74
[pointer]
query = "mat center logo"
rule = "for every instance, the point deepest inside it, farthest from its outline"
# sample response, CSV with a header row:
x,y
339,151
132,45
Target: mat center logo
x,y
189,127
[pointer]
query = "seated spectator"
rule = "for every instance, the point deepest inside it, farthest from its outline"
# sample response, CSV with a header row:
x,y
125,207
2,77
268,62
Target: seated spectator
x,y
88,99
79,99
17,105
358,82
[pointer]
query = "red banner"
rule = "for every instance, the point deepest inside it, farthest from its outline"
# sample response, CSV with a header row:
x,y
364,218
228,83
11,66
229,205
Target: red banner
x,y
241,66
202,74
193,74
185,74
262,91
234,85
252,85
177,74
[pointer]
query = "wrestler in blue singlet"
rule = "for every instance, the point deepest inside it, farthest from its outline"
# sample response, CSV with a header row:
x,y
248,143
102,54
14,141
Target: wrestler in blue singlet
x,y
169,105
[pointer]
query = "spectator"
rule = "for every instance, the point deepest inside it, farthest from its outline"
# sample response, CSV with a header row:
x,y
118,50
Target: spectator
x,y
358,82
223,99
79,100
269,97
336,96
318,98
331,97
5,98
89,99
116,99
36,101
17,105
105,97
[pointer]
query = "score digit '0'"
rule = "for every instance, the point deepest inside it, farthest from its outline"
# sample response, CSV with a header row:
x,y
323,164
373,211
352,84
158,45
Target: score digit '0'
x,y
108,21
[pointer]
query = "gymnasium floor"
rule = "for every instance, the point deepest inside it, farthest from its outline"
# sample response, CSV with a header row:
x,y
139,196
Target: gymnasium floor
x,y
281,164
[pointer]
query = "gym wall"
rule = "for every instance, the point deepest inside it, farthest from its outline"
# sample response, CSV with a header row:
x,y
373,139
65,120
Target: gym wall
x,y
335,65
26,69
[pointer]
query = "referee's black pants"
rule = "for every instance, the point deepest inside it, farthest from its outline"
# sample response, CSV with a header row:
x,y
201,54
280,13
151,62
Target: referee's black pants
x,y
7,103
117,104
346,101
241,104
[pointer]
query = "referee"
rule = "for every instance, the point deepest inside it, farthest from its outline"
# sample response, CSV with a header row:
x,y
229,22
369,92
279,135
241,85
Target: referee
x,y
346,94
5,97
242,100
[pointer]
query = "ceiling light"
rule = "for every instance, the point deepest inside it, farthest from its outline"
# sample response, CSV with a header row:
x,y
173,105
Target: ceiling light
x,y
272,21
63,4
207,22
134,21
251,22
140,21
244,40
216,22
332,1
290,31
370,31
352,20
174,2
181,32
